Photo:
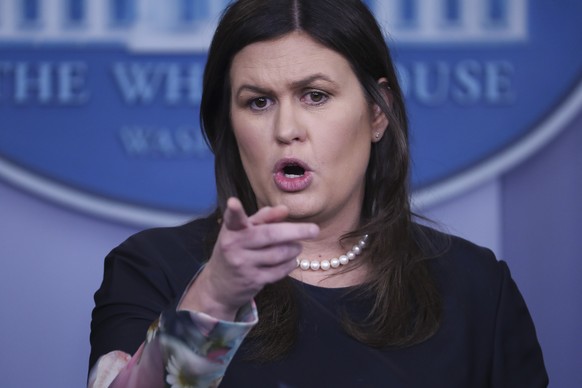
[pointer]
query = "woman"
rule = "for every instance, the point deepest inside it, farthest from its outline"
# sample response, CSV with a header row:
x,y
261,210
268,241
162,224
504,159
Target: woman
x,y
303,111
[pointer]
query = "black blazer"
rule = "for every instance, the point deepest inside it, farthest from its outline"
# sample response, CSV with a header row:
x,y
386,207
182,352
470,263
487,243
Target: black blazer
x,y
486,337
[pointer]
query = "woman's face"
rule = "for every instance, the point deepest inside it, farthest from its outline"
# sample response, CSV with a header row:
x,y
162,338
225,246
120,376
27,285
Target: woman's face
x,y
304,128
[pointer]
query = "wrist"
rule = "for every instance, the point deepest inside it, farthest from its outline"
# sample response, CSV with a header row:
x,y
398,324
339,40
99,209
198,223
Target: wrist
x,y
199,296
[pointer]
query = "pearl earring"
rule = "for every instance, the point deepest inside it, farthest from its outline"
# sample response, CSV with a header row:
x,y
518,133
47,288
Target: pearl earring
x,y
377,135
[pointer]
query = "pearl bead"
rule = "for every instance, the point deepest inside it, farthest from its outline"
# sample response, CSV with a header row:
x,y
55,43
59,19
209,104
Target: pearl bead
x,y
325,265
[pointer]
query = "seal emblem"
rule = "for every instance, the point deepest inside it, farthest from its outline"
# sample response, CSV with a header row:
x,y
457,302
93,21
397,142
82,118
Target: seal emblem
x,y
99,102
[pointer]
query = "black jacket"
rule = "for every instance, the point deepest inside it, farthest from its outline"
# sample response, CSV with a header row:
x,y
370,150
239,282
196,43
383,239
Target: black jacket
x,y
486,337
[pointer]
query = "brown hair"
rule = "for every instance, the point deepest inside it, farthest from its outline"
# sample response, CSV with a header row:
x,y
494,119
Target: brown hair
x,y
406,306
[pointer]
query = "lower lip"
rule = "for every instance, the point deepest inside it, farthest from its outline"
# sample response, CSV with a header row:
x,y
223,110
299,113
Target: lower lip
x,y
294,184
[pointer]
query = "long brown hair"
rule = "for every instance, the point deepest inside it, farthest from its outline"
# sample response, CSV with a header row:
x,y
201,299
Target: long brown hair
x,y
406,306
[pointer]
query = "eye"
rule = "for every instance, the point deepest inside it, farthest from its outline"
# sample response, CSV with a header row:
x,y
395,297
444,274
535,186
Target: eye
x,y
315,97
260,103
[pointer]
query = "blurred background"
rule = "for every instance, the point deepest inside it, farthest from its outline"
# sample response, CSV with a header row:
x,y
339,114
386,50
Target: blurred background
x,y
99,138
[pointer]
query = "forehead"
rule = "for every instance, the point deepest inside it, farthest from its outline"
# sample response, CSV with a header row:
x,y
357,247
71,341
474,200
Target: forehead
x,y
286,59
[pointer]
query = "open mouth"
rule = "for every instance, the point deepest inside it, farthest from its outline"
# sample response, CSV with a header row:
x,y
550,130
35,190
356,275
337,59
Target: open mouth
x,y
292,175
293,171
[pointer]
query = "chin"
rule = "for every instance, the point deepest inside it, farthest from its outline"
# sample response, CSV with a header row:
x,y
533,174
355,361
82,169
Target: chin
x,y
298,209
301,207
302,213
300,216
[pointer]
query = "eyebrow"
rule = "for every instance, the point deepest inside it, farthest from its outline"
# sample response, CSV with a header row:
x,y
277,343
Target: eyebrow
x,y
310,79
299,84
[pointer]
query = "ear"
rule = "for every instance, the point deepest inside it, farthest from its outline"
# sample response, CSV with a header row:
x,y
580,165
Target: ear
x,y
379,119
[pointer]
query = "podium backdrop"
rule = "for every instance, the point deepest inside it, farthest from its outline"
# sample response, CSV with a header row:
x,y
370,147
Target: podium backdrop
x,y
99,138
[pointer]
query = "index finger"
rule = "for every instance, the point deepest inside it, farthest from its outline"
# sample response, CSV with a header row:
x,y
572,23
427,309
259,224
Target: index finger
x,y
265,235
268,214
235,217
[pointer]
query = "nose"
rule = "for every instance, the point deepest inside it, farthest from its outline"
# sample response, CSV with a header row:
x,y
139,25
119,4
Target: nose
x,y
288,124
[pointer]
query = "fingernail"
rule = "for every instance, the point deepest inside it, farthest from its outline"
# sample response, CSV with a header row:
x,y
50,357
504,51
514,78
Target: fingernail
x,y
313,230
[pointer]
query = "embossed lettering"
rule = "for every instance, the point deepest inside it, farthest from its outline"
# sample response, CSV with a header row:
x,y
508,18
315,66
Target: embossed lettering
x,y
145,82
61,83
184,79
139,82
143,141
467,82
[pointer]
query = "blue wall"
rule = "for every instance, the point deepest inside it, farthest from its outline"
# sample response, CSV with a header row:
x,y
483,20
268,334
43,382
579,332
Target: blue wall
x,y
542,238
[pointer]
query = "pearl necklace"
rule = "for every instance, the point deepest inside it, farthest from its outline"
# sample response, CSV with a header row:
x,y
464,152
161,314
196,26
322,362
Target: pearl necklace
x,y
350,255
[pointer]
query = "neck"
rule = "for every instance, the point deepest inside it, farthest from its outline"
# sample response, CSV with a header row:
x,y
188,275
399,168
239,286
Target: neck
x,y
331,229
327,246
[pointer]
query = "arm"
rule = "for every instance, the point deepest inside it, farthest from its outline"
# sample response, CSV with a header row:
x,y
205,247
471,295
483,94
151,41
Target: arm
x,y
517,357
192,347
250,252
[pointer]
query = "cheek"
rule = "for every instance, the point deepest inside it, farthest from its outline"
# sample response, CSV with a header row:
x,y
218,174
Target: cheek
x,y
252,149
352,130
245,144
350,143
245,135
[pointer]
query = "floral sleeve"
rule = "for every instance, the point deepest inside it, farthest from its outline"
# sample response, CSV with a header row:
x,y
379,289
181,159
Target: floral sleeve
x,y
182,349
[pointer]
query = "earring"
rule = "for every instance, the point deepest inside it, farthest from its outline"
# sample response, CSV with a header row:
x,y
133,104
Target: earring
x,y
377,135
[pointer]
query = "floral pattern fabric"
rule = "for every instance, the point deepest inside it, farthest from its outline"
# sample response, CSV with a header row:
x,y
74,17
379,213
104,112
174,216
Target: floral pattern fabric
x,y
182,349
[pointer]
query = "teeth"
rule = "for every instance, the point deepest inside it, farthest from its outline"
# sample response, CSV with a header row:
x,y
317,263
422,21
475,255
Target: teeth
x,y
292,176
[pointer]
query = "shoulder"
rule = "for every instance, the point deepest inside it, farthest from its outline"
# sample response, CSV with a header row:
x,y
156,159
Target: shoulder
x,y
479,296
456,253
176,251
463,267
189,238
